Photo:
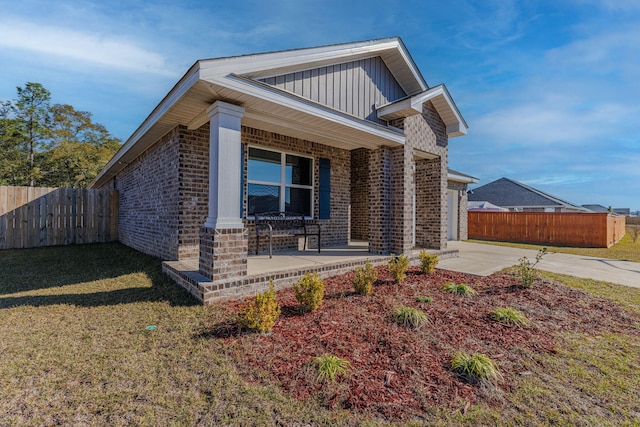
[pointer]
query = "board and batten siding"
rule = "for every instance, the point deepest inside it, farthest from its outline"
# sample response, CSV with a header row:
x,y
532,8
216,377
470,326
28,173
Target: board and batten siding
x,y
355,87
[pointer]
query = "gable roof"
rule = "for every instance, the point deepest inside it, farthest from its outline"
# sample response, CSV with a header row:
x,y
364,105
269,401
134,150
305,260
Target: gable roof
x,y
241,80
508,193
442,101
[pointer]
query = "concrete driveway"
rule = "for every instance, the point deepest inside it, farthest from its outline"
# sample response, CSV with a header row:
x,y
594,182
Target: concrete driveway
x,y
482,260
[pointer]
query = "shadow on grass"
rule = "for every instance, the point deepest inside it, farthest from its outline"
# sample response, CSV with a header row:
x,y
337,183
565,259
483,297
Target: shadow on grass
x,y
47,268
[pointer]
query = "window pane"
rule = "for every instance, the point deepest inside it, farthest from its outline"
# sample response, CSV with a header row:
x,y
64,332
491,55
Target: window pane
x,y
264,165
298,170
298,200
263,198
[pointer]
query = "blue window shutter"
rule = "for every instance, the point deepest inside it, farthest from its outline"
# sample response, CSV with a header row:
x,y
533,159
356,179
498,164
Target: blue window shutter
x,y
324,192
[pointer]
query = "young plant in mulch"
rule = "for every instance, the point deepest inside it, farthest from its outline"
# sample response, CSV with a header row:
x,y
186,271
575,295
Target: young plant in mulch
x,y
365,278
509,316
526,271
261,313
459,289
330,367
408,316
398,266
424,299
309,291
428,262
476,368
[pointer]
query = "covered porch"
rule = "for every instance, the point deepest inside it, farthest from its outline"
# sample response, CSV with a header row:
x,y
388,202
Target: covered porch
x,y
284,269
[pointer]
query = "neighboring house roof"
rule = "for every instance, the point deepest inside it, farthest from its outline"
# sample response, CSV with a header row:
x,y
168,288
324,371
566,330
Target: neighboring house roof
x,y
508,193
600,208
275,90
453,175
485,206
596,208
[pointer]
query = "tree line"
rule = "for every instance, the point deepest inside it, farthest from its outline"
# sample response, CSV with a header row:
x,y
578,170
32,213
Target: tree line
x,y
50,145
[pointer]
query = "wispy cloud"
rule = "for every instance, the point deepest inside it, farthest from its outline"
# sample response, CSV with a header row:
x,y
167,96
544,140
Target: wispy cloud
x,y
99,49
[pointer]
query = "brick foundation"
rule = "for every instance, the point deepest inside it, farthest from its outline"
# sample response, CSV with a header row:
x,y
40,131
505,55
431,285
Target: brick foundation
x,y
210,292
223,254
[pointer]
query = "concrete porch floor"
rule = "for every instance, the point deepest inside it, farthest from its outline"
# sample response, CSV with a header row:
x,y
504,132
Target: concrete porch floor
x,y
286,267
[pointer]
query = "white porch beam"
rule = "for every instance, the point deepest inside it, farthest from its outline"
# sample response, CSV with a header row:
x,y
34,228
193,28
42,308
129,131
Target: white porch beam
x,y
225,166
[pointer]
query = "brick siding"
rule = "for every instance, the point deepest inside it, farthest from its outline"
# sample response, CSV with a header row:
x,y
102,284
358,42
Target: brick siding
x,y
360,194
148,202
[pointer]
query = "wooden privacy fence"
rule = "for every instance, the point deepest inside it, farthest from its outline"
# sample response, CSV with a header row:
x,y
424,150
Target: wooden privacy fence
x,y
586,230
33,216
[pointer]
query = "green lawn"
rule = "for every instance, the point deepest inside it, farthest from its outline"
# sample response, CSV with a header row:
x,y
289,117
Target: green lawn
x,y
96,335
626,249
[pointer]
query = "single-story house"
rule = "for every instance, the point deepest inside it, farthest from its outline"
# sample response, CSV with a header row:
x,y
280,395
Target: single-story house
x,y
350,135
518,197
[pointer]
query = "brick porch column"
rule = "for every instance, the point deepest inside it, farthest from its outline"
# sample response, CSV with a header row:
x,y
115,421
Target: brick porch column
x,y
223,239
380,201
403,184
431,203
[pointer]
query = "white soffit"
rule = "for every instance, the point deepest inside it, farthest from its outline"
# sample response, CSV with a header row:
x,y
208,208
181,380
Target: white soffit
x,y
442,101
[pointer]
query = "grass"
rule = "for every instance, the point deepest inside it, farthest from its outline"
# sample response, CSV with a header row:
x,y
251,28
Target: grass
x,y
476,368
408,316
509,316
459,289
76,351
625,249
331,367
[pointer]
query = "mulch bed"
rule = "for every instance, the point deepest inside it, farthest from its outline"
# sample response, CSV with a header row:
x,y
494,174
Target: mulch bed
x,y
397,372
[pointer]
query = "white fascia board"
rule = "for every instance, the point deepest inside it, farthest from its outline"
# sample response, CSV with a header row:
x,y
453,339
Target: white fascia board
x,y
259,65
461,178
178,91
276,96
440,91
267,65
413,105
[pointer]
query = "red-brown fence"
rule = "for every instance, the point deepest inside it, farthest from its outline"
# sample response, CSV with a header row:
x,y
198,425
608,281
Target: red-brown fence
x,y
32,216
587,230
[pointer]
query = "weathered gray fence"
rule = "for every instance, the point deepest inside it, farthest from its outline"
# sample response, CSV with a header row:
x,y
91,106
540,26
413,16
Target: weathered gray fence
x,y
33,216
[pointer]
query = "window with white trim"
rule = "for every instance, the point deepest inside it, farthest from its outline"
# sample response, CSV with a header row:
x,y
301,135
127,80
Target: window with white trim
x,y
279,182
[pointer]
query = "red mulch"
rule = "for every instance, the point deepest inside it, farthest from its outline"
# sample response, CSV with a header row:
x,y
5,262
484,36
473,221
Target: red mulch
x,y
398,372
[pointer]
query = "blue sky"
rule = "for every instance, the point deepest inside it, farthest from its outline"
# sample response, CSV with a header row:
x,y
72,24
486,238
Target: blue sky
x,y
550,89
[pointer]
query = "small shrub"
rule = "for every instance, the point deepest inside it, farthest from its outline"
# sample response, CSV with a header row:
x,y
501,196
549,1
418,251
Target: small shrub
x,y
309,291
365,278
398,266
261,313
475,368
509,316
460,289
410,317
424,299
635,232
330,367
428,262
527,271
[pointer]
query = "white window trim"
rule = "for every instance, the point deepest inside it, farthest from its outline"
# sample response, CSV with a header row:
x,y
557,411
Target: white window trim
x,y
282,184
